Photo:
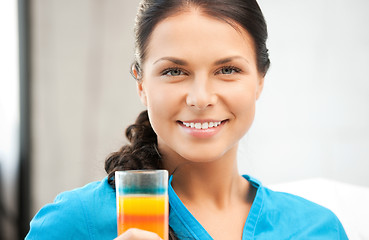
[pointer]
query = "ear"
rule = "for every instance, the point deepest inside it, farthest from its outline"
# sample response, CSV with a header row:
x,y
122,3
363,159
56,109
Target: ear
x,y
139,82
260,87
141,92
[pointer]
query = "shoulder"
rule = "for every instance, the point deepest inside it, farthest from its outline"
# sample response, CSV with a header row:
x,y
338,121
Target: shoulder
x,y
299,218
296,206
74,213
276,200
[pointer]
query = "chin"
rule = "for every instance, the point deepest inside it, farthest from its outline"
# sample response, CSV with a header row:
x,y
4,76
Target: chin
x,y
202,157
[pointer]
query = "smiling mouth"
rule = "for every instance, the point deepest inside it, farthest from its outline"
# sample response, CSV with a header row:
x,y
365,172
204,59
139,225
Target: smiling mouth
x,y
201,125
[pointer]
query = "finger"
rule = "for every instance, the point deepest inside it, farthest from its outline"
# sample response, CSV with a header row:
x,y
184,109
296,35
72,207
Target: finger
x,y
138,234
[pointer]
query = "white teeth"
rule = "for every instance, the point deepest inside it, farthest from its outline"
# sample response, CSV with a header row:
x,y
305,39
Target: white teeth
x,y
204,125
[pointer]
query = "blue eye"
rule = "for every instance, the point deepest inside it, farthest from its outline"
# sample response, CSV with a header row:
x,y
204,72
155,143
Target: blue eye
x,y
173,72
229,70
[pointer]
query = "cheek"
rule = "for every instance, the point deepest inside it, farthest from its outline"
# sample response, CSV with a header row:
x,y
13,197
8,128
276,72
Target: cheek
x,y
158,89
241,99
162,105
242,106
245,111
162,99
245,104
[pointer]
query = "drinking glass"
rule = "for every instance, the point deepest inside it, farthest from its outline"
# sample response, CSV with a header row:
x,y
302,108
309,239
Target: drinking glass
x,y
142,200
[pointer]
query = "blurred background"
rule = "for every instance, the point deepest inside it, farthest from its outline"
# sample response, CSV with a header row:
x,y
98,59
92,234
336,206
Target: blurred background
x,y
66,97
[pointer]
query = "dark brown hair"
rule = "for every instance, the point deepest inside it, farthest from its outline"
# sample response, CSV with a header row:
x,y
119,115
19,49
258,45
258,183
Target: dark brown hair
x,y
142,152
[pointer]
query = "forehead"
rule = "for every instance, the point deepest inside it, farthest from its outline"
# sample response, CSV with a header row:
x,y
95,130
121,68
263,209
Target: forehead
x,y
192,32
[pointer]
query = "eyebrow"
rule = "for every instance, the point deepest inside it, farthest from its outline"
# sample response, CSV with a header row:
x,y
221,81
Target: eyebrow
x,y
173,60
229,59
184,63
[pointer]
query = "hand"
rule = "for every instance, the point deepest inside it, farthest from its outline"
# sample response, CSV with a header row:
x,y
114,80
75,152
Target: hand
x,y
138,234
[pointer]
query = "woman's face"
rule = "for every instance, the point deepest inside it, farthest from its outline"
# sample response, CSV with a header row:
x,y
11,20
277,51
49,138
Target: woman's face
x,y
200,83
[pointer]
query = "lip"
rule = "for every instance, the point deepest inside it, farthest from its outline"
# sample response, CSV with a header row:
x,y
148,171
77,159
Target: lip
x,y
202,133
202,120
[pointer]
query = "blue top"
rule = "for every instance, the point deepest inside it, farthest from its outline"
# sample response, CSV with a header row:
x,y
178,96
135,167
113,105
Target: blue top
x,y
90,213
273,215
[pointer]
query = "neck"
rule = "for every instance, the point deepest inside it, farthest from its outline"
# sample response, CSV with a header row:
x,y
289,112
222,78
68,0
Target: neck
x,y
217,182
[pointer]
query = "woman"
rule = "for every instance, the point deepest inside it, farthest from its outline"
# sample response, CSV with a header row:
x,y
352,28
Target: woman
x,y
200,67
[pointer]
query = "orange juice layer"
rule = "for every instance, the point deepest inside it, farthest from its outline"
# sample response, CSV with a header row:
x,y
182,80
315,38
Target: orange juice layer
x,y
145,212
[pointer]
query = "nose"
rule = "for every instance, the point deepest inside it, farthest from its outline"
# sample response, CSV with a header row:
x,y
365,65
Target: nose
x,y
201,95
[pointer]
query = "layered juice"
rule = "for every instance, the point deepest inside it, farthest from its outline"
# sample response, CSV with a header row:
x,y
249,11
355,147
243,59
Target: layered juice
x,y
143,211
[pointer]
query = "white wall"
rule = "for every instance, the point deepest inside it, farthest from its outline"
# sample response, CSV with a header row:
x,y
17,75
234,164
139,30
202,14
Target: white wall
x,y
83,96
313,117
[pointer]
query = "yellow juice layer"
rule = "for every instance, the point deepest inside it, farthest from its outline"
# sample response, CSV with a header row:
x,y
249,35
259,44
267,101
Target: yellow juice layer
x,y
143,204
